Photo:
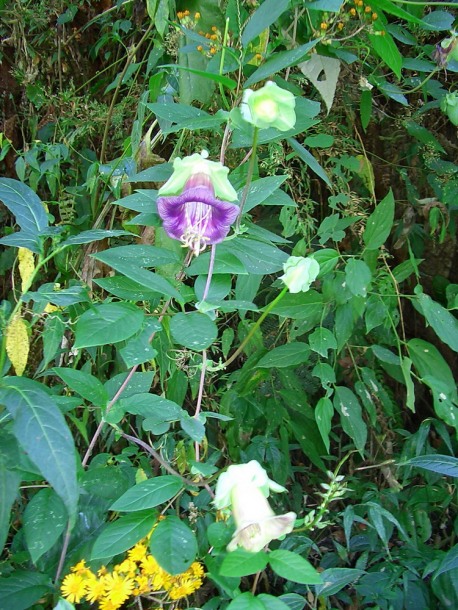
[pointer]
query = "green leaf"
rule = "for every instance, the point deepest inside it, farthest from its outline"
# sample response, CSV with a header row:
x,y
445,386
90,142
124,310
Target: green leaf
x,y
267,13
22,589
386,49
28,210
335,579
353,424
444,324
107,323
149,494
279,61
365,108
427,358
84,384
87,237
379,223
324,412
123,534
303,305
293,567
322,340
261,189
449,562
243,563
272,603
290,354
246,601
294,601
327,259
358,277
308,159
127,289
194,330
393,9
332,6
9,487
406,365
42,432
174,545
442,464
134,271
45,519
193,427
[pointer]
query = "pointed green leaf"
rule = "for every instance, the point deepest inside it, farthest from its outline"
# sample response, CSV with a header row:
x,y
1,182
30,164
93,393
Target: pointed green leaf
x,y
123,534
148,494
45,519
243,563
379,223
293,567
174,545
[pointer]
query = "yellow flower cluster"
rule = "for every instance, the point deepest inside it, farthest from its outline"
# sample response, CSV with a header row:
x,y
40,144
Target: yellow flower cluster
x,y
139,574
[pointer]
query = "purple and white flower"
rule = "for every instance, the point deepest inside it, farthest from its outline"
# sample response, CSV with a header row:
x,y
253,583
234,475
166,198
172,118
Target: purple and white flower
x,y
189,203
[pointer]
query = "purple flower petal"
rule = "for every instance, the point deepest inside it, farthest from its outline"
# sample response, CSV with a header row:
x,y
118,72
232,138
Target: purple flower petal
x,y
197,217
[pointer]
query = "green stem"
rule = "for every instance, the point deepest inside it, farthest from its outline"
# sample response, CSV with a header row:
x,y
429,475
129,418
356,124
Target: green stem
x,y
423,82
248,178
255,327
221,64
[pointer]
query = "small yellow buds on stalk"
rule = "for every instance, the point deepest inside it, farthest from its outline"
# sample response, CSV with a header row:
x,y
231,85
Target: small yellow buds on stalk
x,y
26,267
17,343
300,272
269,106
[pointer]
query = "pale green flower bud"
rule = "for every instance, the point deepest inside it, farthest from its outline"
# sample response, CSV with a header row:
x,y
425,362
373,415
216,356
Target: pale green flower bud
x,y
300,272
269,106
449,105
198,163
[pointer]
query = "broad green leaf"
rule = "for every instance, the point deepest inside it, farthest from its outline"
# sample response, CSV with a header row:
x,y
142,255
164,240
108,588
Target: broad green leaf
x,y
45,519
393,9
194,330
84,384
139,383
294,601
243,563
9,487
308,159
124,288
442,464
219,534
406,365
193,427
272,603
358,277
22,589
322,340
107,323
260,190
246,601
293,567
47,293
353,424
379,223
335,579
444,324
325,373
324,412
332,6
135,272
290,354
263,17
449,562
257,257
138,348
42,432
28,210
300,306
279,61
149,494
327,259
427,359
386,49
174,545
123,534
217,78
87,237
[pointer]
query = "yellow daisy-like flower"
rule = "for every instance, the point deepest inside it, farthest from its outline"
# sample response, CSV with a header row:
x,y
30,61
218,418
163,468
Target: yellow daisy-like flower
x,y
196,569
81,568
142,583
102,571
138,552
73,588
126,567
149,565
95,589
184,587
118,588
107,604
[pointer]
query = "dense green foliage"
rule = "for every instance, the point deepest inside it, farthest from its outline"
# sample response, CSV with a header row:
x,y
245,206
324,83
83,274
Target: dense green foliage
x,y
135,371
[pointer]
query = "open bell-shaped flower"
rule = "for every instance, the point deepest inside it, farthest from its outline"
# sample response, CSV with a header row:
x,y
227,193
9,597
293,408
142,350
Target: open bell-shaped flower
x,y
245,488
189,203
256,522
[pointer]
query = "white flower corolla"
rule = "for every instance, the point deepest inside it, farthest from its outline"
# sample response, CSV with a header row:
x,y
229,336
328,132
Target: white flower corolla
x,y
255,521
270,106
299,273
198,163
250,474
